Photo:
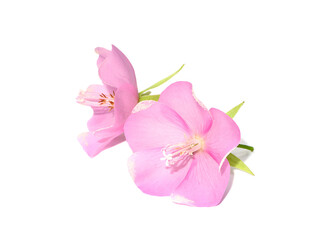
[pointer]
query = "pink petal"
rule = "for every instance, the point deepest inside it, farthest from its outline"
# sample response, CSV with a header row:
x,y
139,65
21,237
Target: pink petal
x,y
100,120
154,127
223,136
204,185
151,174
94,145
103,54
179,97
116,70
102,116
126,98
143,105
91,96
108,132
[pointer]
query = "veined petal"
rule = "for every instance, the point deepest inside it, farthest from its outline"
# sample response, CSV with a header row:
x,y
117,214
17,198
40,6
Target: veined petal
x,y
223,136
151,175
94,145
179,96
155,127
204,185
116,70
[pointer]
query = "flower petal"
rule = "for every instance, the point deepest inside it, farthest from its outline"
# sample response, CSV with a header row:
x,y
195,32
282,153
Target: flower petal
x,y
92,95
94,145
125,100
179,97
103,54
116,70
102,116
151,175
156,126
223,136
100,119
143,105
108,132
204,185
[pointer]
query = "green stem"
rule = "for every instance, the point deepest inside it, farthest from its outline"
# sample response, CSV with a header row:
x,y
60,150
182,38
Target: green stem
x,y
246,147
146,93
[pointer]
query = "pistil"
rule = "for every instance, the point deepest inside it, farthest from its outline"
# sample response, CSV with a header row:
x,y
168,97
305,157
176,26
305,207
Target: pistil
x,y
181,152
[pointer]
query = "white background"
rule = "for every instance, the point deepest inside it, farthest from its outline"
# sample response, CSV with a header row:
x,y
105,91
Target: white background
x,y
264,52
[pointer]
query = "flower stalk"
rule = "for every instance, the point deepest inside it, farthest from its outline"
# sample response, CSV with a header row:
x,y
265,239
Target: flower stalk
x,y
250,148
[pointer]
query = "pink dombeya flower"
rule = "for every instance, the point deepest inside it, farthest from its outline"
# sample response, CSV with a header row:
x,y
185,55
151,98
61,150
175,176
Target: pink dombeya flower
x,y
111,102
180,148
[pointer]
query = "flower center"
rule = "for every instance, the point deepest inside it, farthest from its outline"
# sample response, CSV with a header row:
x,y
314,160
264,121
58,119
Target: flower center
x,y
181,152
95,99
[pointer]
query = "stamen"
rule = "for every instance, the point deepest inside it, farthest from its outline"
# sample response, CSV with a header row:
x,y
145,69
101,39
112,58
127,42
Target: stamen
x,y
95,99
181,152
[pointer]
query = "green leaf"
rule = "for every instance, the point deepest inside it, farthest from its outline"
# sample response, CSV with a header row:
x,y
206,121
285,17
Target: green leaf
x,y
234,110
161,81
149,97
235,162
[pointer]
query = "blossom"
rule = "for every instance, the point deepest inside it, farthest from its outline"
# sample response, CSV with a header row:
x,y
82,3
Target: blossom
x,y
112,102
179,148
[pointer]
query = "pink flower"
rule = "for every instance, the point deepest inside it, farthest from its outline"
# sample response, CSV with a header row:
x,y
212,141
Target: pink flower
x,y
180,148
111,102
